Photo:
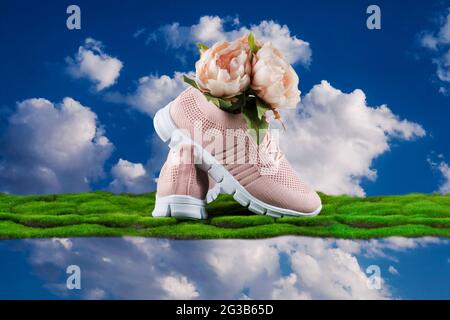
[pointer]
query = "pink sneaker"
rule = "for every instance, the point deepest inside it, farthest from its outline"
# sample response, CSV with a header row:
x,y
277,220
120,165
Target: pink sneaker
x,y
263,181
182,187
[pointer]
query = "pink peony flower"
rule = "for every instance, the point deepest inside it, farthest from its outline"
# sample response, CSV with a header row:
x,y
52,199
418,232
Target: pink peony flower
x,y
273,78
224,69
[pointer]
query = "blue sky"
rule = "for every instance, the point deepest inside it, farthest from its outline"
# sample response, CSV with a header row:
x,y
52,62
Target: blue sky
x,y
288,268
390,66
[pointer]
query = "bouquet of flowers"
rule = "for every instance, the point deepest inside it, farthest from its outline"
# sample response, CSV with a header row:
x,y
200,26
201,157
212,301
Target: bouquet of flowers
x,y
246,76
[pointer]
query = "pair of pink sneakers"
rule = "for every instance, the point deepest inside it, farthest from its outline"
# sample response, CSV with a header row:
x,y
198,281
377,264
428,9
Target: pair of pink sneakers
x,y
207,142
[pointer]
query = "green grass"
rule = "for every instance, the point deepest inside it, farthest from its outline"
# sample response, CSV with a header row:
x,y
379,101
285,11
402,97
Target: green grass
x,y
106,214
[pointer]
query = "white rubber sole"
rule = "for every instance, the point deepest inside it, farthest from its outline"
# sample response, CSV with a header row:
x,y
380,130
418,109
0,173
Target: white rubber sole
x,y
168,132
179,206
213,193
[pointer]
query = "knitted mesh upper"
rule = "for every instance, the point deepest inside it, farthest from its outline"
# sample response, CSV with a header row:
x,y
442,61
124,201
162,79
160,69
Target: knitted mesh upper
x,y
190,116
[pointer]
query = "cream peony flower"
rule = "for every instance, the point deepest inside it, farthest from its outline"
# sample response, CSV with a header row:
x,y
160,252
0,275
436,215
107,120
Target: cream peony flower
x,y
224,69
274,79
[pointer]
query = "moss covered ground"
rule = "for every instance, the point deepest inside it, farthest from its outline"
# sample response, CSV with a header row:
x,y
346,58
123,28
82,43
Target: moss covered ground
x,y
107,214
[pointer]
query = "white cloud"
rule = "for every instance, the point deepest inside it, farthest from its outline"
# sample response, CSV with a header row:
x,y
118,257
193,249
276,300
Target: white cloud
x,y
375,248
340,135
157,269
95,294
52,148
150,268
327,272
392,270
444,31
130,177
319,270
429,41
350,246
211,29
443,66
42,248
138,32
256,264
294,49
92,63
65,242
445,171
152,93
443,168
439,43
400,243
286,288
178,288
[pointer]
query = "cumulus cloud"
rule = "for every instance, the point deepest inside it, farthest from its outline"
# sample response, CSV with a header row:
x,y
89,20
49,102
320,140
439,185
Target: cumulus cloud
x,y
438,42
445,171
340,135
130,177
152,92
294,49
178,288
65,242
211,29
383,248
146,268
92,63
155,91
52,148
443,168
257,262
138,177
286,288
318,269
151,268
314,271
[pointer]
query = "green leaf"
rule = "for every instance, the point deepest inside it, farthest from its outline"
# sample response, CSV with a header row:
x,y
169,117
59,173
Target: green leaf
x,y
239,102
258,125
202,48
212,99
190,81
219,102
261,108
252,43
